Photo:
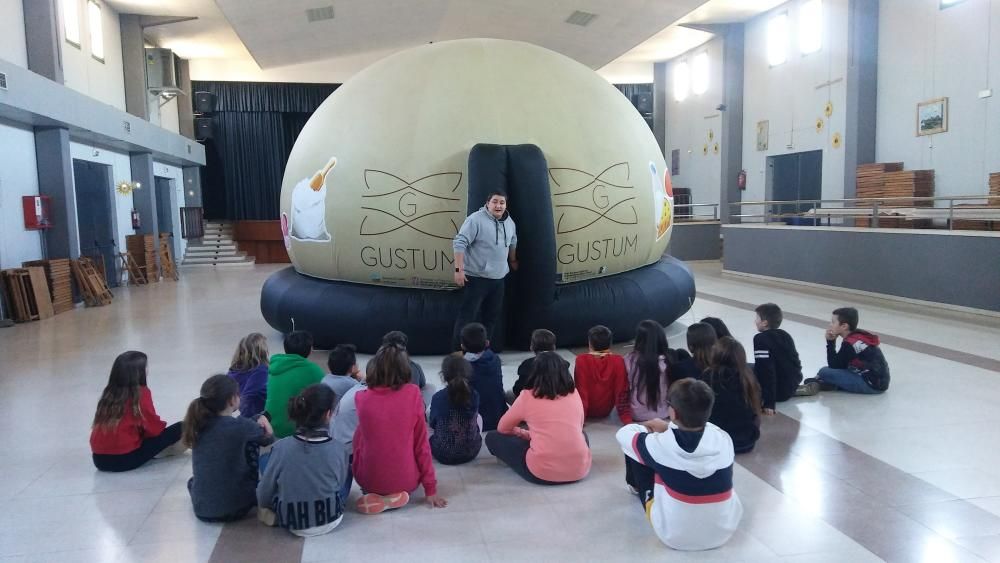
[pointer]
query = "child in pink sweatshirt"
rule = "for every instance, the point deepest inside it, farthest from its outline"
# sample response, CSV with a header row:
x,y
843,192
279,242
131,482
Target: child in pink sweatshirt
x,y
392,455
554,448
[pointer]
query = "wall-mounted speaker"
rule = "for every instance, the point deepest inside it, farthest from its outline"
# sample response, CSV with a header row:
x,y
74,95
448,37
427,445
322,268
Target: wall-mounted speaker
x,y
204,102
202,128
643,103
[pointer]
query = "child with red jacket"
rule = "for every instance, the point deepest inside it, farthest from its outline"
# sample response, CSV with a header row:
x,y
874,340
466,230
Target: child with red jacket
x,y
127,432
600,375
392,454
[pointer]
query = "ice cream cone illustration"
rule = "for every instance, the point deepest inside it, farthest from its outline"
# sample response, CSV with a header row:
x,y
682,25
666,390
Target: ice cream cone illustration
x,y
661,201
308,220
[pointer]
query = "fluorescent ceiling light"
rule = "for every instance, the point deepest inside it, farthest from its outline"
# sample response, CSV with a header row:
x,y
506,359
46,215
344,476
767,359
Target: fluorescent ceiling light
x,y
949,3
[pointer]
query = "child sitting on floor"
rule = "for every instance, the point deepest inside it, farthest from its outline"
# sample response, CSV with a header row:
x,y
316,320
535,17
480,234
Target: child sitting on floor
x,y
127,432
249,369
554,448
399,339
700,339
224,452
776,361
684,471
858,367
287,376
392,456
344,373
303,487
541,341
487,379
456,434
600,376
737,395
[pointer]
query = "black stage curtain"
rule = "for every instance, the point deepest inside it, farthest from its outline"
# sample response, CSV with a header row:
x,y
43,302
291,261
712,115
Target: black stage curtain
x,y
254,127
630,90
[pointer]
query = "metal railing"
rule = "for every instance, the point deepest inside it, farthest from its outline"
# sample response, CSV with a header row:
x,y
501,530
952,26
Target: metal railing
x,y
875,208
685,213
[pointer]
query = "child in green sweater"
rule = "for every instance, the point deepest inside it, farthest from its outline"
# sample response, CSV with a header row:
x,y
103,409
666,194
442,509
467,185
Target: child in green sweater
x,y
287,376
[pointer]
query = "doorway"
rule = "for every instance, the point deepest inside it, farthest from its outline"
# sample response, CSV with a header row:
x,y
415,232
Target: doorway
x,y
795,177
95,220
164,188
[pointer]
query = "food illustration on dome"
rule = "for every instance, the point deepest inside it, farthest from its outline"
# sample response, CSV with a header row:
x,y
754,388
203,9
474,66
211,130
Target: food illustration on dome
x,y
308,221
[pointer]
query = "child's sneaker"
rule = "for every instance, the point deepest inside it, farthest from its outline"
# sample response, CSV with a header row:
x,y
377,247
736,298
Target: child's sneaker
x,y
266,516
372,503
631,489
808,388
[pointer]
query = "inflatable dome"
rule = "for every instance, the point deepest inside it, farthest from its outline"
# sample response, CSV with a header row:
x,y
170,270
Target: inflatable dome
x,y
386,170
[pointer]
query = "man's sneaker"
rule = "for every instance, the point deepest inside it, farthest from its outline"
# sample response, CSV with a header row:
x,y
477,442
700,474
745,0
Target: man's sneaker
x,y
808,388
372,503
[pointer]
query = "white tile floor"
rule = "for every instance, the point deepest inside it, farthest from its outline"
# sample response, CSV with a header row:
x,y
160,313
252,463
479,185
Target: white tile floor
x,y
936,423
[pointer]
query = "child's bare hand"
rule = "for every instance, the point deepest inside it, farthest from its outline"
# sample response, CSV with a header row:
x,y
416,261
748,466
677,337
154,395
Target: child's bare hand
x,y
656,425
830,335
436,501
768,412
263,422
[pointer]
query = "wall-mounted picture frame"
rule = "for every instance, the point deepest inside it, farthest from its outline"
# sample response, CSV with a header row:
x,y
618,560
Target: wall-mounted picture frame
x,y
762,132
932,117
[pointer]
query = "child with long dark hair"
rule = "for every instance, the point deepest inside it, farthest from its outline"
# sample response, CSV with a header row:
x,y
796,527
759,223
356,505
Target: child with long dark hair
x,y
737,407
224,452
649,374
700,339
456,434
127,432
554,448
249,369
306,482
392,455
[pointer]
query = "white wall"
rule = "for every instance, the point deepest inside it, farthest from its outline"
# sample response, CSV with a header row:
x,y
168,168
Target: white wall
x,y
121,169
925,53
104,81
177,201
12,43
688,126
789,96
18,177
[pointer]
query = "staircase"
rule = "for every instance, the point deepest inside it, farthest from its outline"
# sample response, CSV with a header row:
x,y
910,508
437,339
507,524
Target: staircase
x,y
215,248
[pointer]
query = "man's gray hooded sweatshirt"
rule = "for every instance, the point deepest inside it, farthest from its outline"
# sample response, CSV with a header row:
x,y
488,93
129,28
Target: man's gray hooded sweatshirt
x,y
485,241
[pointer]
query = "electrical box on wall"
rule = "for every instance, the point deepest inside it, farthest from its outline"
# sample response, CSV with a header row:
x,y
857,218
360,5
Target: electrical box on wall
x,y
37,214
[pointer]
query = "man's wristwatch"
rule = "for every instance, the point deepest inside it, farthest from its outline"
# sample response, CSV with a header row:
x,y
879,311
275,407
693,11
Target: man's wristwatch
x,y
458,270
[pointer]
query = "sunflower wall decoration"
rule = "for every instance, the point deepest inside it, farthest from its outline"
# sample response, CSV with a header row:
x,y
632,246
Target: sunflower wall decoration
x,y
125,187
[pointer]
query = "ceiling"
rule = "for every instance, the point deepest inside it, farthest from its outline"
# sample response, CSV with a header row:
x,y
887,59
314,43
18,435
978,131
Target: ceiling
x,y
274,37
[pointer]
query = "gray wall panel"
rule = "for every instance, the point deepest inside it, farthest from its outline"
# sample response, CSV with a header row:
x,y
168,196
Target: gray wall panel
x,y
947,268
695,241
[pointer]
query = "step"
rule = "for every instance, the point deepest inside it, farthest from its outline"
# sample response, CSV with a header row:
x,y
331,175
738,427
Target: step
x,y
217,238
217,259
209,253
186,266
211,246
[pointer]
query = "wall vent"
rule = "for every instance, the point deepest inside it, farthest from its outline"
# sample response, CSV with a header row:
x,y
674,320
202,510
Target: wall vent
x,y
581,19
319,14
3,81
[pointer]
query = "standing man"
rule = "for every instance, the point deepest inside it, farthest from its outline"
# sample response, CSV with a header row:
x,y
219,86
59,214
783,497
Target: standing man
x,y
485,250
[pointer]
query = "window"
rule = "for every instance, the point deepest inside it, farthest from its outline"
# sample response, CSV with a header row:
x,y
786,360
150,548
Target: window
x,y
811,26
777,40
71,21
96,30
682,81
699,76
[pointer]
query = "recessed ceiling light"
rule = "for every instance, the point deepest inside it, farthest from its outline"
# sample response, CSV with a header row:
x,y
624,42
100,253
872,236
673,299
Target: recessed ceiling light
x,y
319,14
580,18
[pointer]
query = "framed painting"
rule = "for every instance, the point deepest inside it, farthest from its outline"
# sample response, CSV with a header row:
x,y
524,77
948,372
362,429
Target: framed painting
x,y
932,117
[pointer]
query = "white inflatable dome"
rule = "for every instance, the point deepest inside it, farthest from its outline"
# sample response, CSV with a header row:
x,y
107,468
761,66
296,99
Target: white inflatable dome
x,y
376,185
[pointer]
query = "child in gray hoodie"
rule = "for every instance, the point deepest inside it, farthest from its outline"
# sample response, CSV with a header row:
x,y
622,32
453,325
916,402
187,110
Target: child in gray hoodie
x,y
302,489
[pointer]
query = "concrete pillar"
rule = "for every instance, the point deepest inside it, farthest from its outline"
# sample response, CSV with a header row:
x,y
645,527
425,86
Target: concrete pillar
x,y
133,65
862,89
660,105
44,38
144,199
732,119
55,179
185,102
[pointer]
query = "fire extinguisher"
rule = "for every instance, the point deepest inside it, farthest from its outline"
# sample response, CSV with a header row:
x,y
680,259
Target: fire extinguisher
x,y
741,180
136,222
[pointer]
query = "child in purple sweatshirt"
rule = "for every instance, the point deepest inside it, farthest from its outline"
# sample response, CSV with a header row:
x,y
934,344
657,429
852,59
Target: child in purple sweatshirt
x,y
249,369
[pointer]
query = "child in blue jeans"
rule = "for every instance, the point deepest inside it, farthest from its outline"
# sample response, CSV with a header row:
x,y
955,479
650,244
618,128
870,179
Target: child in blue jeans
x,y
857,367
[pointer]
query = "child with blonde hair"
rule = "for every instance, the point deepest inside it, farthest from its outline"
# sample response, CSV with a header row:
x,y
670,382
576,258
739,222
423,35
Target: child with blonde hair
x,y
249,369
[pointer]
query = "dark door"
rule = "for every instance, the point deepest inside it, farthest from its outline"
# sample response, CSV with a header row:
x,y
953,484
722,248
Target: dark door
x,y
94,217
796,177
164,209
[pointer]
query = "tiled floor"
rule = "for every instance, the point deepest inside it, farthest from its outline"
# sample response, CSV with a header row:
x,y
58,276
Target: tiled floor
x,y
912,475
